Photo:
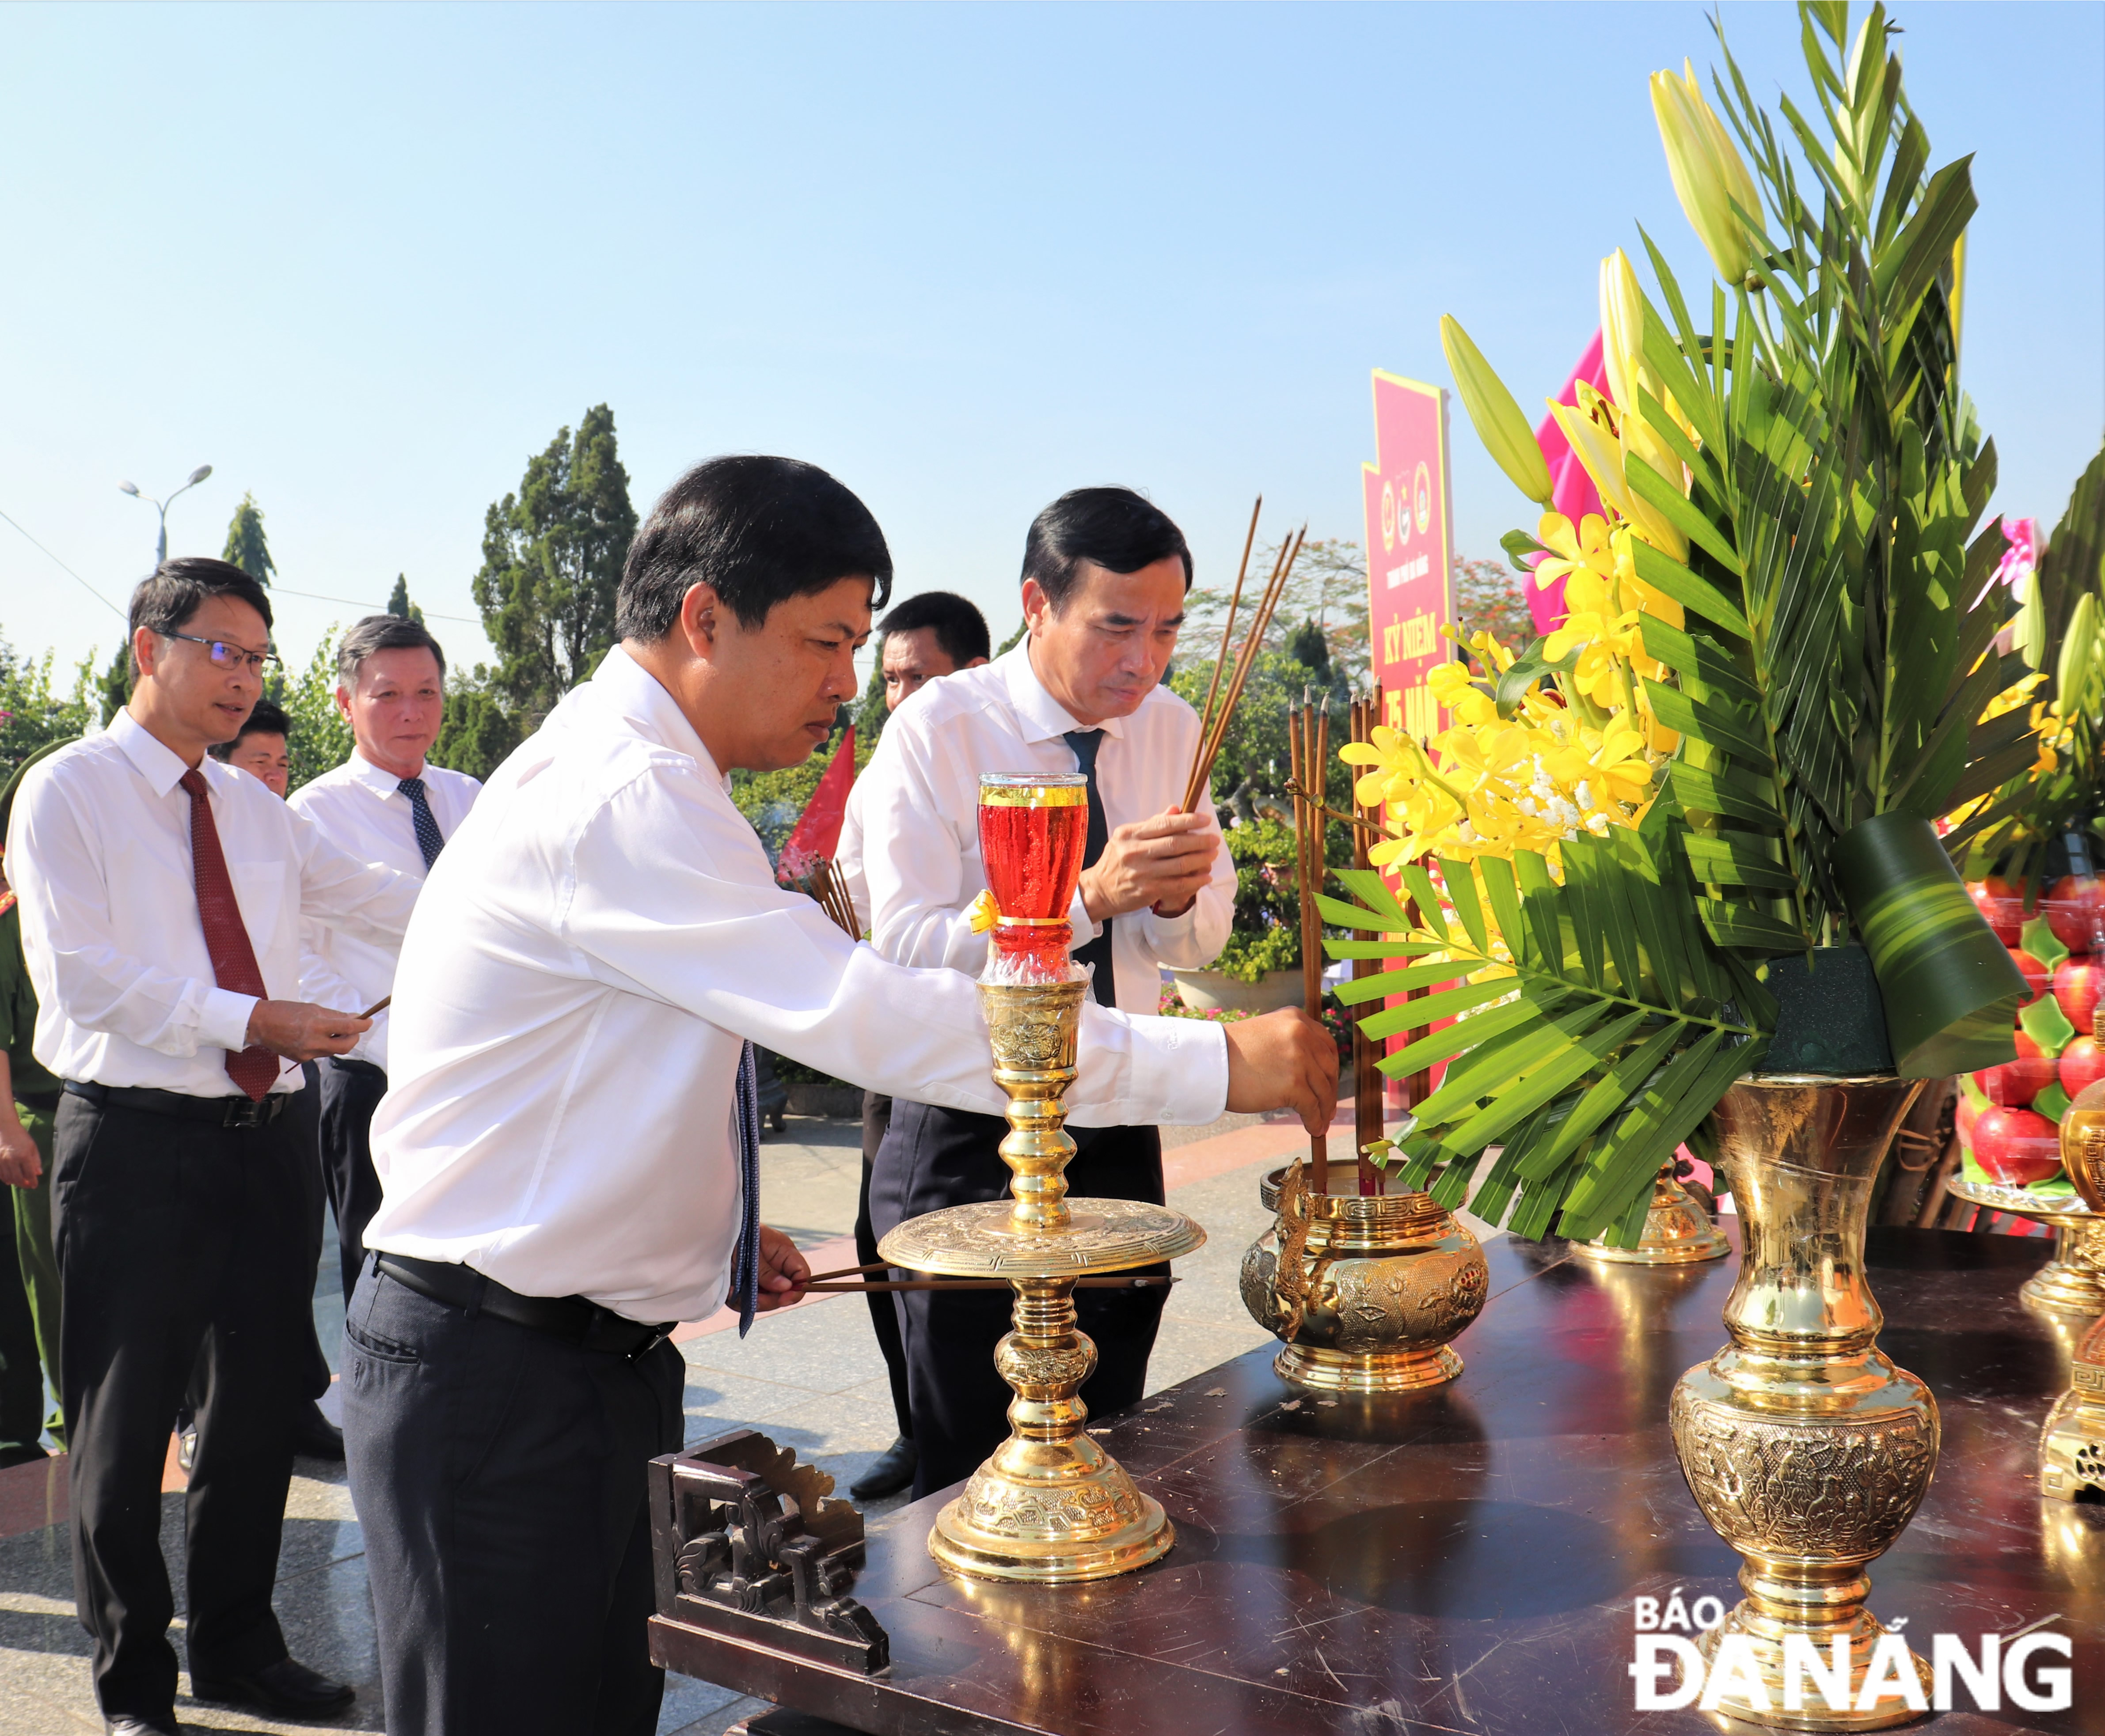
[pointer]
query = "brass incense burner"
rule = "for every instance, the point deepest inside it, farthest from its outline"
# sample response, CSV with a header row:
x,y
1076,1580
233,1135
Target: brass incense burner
x,y
1050,1506
1365,1291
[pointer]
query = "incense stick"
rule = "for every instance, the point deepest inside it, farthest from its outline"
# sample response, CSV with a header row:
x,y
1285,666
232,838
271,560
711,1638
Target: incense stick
x,y
1228,629
1260,622
377,1007
1367,1125
1308,738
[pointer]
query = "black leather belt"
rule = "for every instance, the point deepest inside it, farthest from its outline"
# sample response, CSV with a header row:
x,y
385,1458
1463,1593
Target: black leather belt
x,y
221,1111
569,1318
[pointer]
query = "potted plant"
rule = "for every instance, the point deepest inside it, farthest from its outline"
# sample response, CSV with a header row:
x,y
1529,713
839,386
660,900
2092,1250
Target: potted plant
x,y
1696,892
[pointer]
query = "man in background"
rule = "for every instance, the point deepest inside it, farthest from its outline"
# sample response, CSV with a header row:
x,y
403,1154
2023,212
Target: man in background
x,y
929,636
384,803
161,898
1104,574
263,748
29,1099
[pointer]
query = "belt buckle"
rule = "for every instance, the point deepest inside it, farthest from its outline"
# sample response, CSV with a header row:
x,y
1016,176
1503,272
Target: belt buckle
x,y
247,1112
658,1337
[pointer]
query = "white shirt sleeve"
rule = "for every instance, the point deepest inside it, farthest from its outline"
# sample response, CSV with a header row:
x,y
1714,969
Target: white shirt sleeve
x,y
75,959
669,910
363,899
919,905
1192,941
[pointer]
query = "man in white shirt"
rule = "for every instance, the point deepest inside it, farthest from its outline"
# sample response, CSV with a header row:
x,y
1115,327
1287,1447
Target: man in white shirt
x,y
383,804
930,635
162,895
1105,573
569,1147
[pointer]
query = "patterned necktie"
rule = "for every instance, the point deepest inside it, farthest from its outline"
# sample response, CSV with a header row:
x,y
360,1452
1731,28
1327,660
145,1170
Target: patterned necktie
x,y
1098,951
255,1068
745,1267
428,840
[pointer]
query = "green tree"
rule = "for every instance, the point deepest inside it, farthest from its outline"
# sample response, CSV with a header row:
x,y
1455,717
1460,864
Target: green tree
x,y
870,710
399,604
551,560
476,731
112,687
1329,588
246,547
32,711
320,739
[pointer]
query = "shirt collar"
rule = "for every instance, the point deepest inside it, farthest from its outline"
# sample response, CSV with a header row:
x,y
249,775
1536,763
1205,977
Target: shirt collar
x,y
361,770
638,696
158,763
1042,716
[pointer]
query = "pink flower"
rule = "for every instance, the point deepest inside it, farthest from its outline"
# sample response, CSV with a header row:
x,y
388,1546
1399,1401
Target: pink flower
x,y
2022,554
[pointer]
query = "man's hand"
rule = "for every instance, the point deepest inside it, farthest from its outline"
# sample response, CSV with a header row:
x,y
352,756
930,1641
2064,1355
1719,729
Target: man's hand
x,y
1284,1060
301,1032
783,1272
21,1164
1158,864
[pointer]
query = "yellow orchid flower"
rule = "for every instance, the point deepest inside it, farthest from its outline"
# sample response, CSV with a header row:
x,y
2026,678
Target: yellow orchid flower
x,y
983,911
1590,550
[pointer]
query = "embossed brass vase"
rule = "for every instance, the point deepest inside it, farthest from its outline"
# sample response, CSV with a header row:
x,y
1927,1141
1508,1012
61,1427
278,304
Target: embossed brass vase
x,y
1379,1287
1678,1231
1050,1506
1807,1449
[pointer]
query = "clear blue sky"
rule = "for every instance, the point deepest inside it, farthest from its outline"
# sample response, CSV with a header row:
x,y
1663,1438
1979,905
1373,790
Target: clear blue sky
x,y
366,260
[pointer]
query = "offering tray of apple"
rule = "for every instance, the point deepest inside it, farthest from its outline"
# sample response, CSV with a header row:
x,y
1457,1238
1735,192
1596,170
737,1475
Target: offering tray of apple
x,y
2010,1117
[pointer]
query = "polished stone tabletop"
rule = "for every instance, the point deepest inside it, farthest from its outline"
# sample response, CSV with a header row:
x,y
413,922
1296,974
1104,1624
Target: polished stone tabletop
x,y
1468,1559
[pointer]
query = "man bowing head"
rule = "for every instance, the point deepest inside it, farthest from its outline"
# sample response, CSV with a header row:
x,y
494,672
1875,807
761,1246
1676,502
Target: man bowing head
x,y
569,1146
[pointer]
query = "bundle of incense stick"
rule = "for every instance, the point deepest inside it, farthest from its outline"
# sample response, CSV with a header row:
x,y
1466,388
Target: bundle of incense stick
x,y
829,886
1308,746
1213,726
1366,1051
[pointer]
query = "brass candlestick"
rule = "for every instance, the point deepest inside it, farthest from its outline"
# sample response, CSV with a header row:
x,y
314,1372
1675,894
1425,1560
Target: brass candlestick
x,y
1050,1506
1678,1231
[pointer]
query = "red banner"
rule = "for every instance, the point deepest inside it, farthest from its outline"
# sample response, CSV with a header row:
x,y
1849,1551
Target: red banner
x,y
818,832
1409,552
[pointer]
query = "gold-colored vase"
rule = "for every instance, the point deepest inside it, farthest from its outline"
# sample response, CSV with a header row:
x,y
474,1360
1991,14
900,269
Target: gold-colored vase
x,y
1807,1449
2072,1444
1379,1286
1050,1506
1678,1231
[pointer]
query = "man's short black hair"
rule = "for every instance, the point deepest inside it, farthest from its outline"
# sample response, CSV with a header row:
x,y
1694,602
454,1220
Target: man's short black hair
x,y
266,719
165,599
960,629
759,530
1116,529
381,633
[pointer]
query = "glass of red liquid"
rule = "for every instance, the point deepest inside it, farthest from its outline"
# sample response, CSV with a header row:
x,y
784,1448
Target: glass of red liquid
x,y
1033,828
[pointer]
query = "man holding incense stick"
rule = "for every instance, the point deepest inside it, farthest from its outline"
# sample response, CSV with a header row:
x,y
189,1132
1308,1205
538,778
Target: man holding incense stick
x,y
569,1149
1104,574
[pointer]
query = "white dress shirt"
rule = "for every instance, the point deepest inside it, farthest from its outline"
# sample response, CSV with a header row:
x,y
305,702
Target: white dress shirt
x,y
910,839
588,954
99,849
361,808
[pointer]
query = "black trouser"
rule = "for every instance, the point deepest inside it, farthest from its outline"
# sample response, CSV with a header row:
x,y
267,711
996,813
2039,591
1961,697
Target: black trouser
x,y
933,1157
21,1372
351,1090
883,1315
181,1248
500,1476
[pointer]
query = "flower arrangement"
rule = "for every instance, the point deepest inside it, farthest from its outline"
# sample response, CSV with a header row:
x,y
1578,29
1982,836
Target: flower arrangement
x,y
1719,777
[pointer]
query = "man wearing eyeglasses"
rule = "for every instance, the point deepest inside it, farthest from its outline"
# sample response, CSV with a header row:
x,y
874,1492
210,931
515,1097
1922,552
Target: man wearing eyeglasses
x,y
161,895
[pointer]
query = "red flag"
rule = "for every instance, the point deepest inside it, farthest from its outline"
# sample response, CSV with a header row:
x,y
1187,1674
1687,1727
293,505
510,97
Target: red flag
x,y
818,832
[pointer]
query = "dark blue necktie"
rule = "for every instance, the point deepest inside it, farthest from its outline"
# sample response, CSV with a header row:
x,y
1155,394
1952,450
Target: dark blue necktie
x,y
428,840
745,1264
1098,951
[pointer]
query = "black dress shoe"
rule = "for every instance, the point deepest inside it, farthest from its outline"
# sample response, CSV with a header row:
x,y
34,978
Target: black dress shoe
x,y
129,1725
315,1437
288,1687
21,1453
893,1470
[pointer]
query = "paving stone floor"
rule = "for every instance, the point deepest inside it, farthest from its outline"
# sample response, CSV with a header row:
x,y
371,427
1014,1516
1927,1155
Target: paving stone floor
x,y
812,1377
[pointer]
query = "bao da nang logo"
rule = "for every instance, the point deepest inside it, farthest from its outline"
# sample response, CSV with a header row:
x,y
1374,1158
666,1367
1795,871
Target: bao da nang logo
x,y
2031,1669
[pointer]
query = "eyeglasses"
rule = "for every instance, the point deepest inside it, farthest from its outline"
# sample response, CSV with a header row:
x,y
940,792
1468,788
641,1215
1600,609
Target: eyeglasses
x,y
228,656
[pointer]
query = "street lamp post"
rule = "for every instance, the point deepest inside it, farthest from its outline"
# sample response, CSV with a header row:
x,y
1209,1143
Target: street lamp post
x,y
161,548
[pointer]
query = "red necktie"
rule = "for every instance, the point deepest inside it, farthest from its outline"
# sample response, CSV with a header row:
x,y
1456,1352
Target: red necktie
x,y
255,1068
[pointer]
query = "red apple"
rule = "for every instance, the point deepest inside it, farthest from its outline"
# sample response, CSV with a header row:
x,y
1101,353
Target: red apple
x,y
2078,981
2035,974
2003,907
1969,1113
2081,1062
2015,1083
2075,910
2016,1147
